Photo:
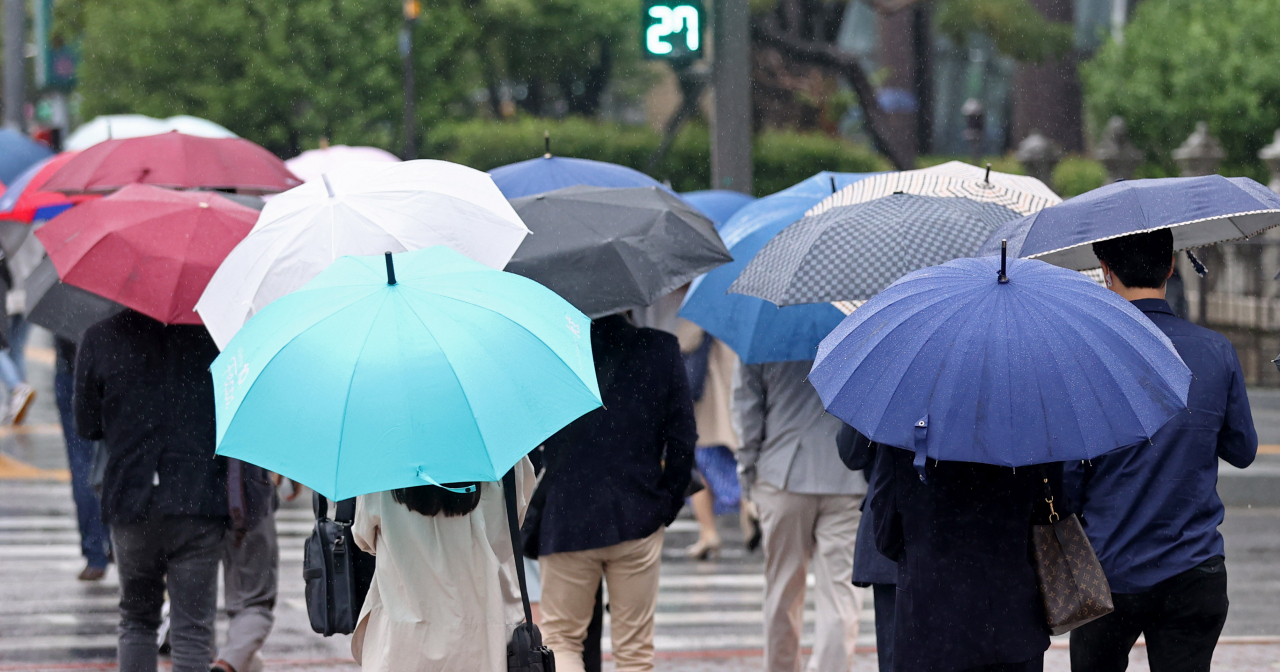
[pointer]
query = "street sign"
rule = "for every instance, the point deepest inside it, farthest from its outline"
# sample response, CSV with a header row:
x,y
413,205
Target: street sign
x,y
672,29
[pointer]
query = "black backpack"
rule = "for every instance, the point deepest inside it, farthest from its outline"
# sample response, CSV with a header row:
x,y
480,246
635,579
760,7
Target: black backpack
x,y
336,571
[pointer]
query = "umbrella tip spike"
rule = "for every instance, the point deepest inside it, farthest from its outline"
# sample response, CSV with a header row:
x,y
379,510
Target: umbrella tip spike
x,y
987,179
327,187
1004,252
546,144
833,184
391,270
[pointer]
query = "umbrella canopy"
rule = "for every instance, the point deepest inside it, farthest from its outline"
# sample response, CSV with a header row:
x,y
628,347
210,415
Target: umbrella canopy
x,y
358,210
17,154
176,161
954,364
609,250
1021,194
717,204
150,249
313,163
850,253
446,371
27,201
1199,210
548,173
64,309
759,331
121,126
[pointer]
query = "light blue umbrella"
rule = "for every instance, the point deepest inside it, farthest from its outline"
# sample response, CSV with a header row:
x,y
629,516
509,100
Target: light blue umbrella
x,y
370,378
755,329
548,173
717,204
954,364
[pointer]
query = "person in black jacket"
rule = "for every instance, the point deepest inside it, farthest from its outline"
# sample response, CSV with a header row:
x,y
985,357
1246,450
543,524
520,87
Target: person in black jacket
x,y
871,569
615,478
143,388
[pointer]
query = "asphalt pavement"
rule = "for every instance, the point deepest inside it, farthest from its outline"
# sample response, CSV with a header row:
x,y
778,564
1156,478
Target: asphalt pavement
x,y
708,612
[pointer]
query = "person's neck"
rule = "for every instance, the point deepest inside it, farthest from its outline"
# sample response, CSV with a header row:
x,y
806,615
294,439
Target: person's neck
x,y
1135,293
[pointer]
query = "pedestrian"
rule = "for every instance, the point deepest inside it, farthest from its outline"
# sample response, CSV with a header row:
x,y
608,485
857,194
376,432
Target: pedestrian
x,y
445,596
809,507
616,478
250,565
710,365
968,597
143,389
95,545
871,569
1152,511
13,365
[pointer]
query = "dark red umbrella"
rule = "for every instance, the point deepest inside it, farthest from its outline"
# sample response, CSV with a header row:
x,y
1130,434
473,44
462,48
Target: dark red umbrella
x,y
150,249
175,161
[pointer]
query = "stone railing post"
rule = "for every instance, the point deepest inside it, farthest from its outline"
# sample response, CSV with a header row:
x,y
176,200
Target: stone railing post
x,y
1116,154
1039,155
1201,154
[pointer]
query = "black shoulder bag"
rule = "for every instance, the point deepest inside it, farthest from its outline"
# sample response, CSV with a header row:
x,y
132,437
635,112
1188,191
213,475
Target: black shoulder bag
x,y
525,652
337,573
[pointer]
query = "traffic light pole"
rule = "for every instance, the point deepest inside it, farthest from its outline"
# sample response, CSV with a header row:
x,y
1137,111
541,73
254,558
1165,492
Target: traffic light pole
x,y
731,126
15,63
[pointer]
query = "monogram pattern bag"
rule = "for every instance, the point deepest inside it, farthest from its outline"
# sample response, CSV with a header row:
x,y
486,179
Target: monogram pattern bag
x,y
1072,584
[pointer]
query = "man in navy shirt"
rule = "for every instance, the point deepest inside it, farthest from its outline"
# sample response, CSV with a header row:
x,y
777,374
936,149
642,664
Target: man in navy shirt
x,y
1152,511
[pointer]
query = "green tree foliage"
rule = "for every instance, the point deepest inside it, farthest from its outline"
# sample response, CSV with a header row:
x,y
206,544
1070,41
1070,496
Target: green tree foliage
x,y
1184,61
1016,28
282,73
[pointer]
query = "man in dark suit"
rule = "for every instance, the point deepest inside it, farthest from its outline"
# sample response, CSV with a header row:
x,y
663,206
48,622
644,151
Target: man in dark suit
x,y
615,478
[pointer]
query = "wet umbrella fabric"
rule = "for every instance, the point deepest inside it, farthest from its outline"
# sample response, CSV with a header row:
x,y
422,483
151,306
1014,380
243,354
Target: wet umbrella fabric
x,y
18,153
609,250
756,330
453,373
850,253
175,161
1199,211
549,173
26,199
1022,194
358,210
718,204
64,309
121,126
955,365
150,249
313,163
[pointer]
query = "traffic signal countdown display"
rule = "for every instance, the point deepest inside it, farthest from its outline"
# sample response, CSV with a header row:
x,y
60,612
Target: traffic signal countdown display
x,y
672,29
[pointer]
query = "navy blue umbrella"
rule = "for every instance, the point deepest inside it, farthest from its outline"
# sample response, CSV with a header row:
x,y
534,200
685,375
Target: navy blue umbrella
x,y
17,153
1199,211
548,173
956,365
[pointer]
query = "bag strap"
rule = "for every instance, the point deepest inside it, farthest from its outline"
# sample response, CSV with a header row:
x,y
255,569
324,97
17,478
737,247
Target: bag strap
x,y
345,511
513,523
1048,495
319,505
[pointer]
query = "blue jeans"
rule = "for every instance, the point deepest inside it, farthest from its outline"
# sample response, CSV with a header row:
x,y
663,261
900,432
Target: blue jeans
x,y
13,369
94,542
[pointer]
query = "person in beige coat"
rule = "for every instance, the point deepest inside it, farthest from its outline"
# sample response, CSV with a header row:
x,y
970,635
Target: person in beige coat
x,y
444,596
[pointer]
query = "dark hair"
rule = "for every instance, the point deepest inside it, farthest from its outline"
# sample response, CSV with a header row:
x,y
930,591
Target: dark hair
x,y
430,500
1140,259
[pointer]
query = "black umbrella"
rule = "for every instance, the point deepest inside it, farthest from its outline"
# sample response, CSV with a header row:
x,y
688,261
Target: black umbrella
x,y
64,309
850,253
609,250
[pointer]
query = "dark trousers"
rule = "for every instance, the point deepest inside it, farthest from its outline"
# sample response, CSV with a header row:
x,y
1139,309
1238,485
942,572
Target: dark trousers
x,y
1181,618
1034,665
886,597
94,543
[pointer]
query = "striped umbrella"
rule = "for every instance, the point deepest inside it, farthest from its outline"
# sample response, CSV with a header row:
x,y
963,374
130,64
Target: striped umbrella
x,y
1019,193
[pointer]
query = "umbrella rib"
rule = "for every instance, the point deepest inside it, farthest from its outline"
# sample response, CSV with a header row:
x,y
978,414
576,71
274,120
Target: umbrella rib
x,y
346,402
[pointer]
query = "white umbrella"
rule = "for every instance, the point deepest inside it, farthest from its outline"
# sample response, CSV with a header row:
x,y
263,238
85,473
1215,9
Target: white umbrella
x,y
361,209
119,126
1017,192
313,163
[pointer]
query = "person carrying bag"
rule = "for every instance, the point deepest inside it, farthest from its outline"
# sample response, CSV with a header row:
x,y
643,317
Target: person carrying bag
x,y
337,573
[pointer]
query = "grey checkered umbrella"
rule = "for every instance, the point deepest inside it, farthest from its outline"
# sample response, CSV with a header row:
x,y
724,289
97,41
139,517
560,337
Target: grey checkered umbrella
x,y
850,253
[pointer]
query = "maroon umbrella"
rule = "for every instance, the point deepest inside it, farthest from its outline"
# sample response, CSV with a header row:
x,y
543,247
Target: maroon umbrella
x,y
176,161
150,249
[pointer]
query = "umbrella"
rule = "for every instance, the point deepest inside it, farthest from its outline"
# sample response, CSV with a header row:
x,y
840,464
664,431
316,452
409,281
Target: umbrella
x,y
851,252
1199,210
375,376
361,209
955,364
150,249
609,250
64,309
1021,194
755,329
17,153
313,163
717,204
121,126
27,201
549,173
176,161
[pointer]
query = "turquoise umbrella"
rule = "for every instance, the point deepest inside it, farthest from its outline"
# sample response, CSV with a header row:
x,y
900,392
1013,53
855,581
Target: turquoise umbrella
x,y
374,376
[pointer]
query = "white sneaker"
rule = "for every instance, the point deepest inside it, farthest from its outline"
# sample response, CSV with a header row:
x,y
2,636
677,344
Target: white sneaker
x,y
19,403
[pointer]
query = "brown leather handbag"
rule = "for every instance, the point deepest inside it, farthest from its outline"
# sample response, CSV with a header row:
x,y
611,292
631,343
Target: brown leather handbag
x,y
1072,584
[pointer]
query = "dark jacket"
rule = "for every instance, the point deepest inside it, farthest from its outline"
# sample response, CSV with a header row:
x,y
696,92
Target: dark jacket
x,y
967,592
143,388
870,566
619,473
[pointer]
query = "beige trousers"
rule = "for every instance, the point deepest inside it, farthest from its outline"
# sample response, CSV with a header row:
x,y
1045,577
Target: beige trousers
x,y
798,530
569,582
